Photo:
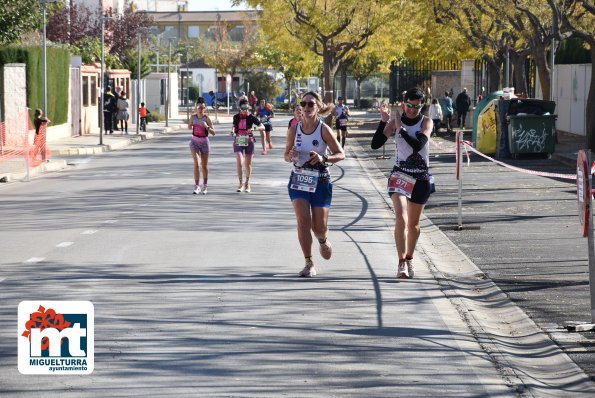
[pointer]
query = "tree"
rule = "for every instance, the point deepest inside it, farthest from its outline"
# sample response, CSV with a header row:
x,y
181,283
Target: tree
x,y
226,55
264,85
79,26
328,28
18,17
130,62
72,24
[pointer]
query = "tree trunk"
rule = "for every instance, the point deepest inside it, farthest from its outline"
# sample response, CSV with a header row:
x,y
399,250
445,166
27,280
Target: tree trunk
x,y
358,92
543,70
590,113
330,69
519,80
343,81
495,74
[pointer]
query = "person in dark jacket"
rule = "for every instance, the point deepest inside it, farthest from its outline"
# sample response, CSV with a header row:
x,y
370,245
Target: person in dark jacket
x,y
463,103
110,106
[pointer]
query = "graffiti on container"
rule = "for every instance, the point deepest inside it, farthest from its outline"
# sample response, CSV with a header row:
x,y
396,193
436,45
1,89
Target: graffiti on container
x,y
529,140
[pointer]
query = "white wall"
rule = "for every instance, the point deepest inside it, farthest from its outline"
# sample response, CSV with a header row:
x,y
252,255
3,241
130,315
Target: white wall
x,y
572,83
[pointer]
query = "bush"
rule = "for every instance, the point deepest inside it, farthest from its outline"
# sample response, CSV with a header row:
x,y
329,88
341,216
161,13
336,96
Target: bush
x,y
155,116
58,67
365,103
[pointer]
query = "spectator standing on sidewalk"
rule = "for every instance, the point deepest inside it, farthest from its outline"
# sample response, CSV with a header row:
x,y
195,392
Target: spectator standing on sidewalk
x,y
110,106
436,115
447,110
39,142
201,126
122,115
310,187
463,103
409,183
297,116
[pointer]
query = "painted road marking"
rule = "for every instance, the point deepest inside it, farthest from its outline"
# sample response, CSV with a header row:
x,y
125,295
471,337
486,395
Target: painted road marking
x,y
35,260
89,232
64,244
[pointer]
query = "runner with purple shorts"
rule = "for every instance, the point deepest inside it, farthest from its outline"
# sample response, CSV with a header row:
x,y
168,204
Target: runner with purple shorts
x,y
243,143
201,126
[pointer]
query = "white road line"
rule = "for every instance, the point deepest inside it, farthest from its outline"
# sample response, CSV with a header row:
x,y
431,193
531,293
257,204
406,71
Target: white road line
x,y
110,221
64,244
35,260
89,232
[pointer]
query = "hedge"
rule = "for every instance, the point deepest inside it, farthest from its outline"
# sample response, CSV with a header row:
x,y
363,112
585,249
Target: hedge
x,y
58,67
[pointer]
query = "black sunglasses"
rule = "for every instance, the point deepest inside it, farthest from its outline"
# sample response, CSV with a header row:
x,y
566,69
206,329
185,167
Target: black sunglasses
x,y
244,108
310,104
410,105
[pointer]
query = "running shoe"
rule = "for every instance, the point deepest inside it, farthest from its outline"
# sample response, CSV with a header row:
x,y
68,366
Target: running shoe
x,y
248,187
410,269
264,151
204,190
270,145
402,272
197,190
240,188
308,271
326,250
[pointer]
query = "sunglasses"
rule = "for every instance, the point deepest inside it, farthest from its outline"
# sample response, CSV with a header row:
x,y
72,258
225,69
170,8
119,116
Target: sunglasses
x,y
410,105
244,108
310,104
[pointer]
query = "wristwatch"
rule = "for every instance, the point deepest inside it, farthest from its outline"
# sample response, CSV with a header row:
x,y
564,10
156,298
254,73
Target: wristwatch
x,y
324,159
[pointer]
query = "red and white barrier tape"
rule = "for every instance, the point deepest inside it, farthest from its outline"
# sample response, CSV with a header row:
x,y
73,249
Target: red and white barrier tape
x,y
526,171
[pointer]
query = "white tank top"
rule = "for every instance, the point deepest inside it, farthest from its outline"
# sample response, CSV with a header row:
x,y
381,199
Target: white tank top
x,y
308,142
405,159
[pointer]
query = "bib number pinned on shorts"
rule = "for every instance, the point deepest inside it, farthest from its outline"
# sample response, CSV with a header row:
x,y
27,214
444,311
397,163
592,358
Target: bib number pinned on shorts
x,y
343,122
401,183
304,180
242,140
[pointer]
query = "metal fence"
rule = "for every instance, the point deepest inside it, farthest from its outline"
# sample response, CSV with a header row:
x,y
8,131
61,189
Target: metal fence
x,y
415,73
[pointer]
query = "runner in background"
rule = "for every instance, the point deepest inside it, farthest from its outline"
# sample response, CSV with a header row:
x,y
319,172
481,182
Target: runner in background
x,y
265,113
243,144
297,116
341,117
409,183
310,187
201,125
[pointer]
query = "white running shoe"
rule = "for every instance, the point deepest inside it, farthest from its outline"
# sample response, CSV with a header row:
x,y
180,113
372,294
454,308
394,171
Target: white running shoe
x,y
410,269
197,190
204,190
402,272
308,271
326,250
240,188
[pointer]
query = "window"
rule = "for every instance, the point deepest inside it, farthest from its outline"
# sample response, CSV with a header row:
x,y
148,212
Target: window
x,y
193,32
237,33
170,32
94,90
85,89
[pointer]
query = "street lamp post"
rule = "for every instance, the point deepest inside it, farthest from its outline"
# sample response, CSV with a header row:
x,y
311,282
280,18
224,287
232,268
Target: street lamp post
x,y
45,57
102,19
187,84
167,99
140,32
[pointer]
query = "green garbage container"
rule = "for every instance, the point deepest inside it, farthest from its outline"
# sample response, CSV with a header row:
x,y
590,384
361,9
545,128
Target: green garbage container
x,y
531,134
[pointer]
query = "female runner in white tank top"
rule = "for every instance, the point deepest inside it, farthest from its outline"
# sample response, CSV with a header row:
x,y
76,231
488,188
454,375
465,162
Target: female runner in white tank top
x,y
409,184
310,188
